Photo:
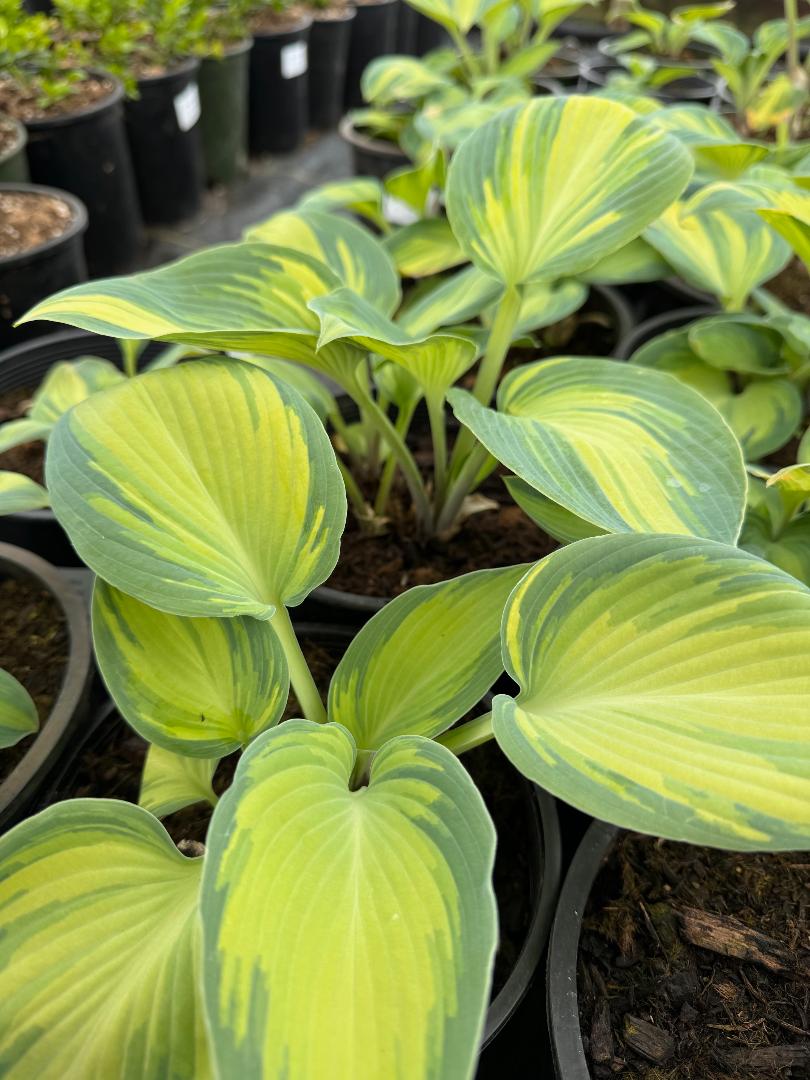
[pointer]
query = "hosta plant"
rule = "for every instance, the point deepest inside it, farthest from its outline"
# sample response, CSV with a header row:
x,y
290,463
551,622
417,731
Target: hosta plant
x,y
669,37
535,197
777,522
18,713
338,918
754,368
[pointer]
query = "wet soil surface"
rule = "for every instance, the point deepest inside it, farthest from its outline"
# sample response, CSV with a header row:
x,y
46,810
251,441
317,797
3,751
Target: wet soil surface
x,y
26,102
111,763
34,648
695,964
29,220
28,458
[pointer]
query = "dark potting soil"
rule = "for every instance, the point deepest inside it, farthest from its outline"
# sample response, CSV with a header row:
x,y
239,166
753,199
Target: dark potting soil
x,y
29,219
269,21
34,648
389,563
338,9
28,458
694,964
111,764
27,103
792,286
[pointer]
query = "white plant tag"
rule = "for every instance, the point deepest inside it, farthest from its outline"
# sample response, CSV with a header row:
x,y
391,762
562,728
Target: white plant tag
x,y
398,212
187,107
293,60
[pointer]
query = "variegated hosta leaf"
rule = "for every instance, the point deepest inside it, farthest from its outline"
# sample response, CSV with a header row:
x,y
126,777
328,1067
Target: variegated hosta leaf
x,y
392,79
787,547
249,296
16,432
742,343
358,259
637,261
791,219
70,382
663,687
793,478
727,253
436,362
98,948
424,248
18,713
423,661
765,413
363,195
414,185
170,782
626,453
453,299
383,921
207,489
554,519
200,687
459,15
544,303
19,493
312,389
548,189
764,416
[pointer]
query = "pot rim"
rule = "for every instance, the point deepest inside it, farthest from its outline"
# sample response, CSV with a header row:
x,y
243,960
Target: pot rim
x,y
187,65
22,782
346,14
659,324
237,48
303,23
77,225
349,133
562,1000
115,97
21,137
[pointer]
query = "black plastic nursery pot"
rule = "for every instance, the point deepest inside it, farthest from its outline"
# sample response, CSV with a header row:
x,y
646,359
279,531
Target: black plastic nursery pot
x,y
24,367
329,39
430,35
659,324
279,65
371,157
563,68
374,33
105,732
13,161
87,153
30,276
25,781
701,89
223,82
165,138
568,1052
406,29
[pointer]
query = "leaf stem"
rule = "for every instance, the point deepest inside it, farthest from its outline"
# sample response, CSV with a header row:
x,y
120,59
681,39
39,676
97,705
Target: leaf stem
x,y
404,417
303,684
461,487
467,736
438,434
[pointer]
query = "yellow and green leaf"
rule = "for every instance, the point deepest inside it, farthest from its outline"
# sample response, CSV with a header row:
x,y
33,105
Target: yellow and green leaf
x,y
424,248
623,452
19,493
198,687
383,921
547,190
171,782
663,687
423,661
209,489
18,713
99,948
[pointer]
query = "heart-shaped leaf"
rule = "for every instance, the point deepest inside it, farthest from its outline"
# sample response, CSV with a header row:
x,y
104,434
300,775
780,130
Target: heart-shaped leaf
x,y
198,687
423,661
554,519
18,713
391,79
207,489
663,687
99,948
424,248
399,869
546,190
627,454
725,252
